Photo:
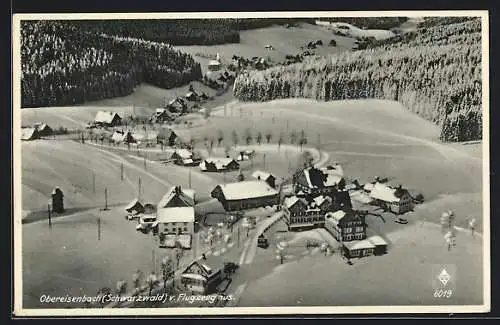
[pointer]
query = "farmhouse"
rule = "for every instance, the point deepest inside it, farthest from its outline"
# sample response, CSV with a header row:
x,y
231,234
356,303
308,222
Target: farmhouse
x,y
28,134
266,177
245,195
200,278
106,118
396,200
177,197
346,225
214,65
176,220
219,164
145,137
191,96
119,136
301,214
314,181
177,105
161,115
183,157
43,129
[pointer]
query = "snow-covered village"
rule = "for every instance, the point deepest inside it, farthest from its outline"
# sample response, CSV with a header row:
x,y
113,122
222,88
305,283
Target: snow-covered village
x,y
251,162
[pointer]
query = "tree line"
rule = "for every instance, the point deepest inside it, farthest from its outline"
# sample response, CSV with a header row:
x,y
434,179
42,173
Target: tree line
x,y
369,22
182,31
63,64
436,73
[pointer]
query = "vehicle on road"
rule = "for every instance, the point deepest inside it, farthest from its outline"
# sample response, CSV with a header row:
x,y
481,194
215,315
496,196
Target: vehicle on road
x,y
230,267
401,221
262,242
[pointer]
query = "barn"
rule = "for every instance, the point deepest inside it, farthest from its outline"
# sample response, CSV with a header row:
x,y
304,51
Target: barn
x,y
106,118
245,195
219,164
394,199
43,129
184,157
28,134
266,177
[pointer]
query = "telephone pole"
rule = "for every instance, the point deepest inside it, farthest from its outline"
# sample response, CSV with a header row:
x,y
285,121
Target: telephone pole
x,y
121,172
190,179
139,189
98,228
50,218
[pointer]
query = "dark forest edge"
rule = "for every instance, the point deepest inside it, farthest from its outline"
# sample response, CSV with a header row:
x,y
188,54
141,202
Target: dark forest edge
x,y
435,73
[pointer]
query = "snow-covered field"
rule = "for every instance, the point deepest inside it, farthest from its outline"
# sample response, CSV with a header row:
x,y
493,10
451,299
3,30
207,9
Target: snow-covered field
x,y
354,31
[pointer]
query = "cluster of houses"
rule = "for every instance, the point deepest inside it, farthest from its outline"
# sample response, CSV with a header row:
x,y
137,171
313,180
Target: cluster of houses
x,y
37,131
322,199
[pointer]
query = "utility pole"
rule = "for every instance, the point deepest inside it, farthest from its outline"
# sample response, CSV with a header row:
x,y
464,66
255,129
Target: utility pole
x,y
121,172
93,182
264,161
145,167
139,189
106,199
190,179
98,228
238,237
50,218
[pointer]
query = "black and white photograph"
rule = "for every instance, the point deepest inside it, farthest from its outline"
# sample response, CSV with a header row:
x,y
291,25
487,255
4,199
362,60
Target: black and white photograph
x,y
251,163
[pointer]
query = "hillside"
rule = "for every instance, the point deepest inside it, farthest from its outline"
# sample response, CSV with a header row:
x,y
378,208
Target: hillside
x,y
66,65
435,72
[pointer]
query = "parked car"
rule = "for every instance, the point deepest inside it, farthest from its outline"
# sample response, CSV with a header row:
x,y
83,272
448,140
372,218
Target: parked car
x,y
402,221
230,267
147,222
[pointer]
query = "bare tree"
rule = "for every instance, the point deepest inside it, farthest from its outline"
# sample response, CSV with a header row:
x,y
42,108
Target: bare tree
x,y
234,136
293,137
167,268
259,138
136,279
281,139
269,135
248,136
151,280
220,137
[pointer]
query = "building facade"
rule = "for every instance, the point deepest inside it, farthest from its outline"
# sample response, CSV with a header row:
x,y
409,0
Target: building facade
x,y
200,278
245,195
313,181
346,225
301,214
394,199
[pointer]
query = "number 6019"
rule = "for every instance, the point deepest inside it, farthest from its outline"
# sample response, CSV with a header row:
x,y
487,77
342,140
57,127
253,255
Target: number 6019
x,y
443,293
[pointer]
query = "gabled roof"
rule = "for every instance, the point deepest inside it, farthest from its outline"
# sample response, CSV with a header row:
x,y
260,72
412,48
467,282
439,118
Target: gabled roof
x,y
262,175
184,153
29,133
220,163
186,195
176,214
105,116
214,62
118,136
359,244
160,110
317,178
134,203
246,190
377,240
41,126
319,200
385,193
291,201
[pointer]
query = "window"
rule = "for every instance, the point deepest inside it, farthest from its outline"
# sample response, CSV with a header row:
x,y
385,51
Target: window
x,y
348,237
359,229
358,236
173,229
185,229
347,230
185,224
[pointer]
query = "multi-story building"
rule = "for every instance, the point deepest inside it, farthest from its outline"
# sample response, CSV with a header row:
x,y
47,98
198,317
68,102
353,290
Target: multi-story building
x,y
301,214
346,225
312,181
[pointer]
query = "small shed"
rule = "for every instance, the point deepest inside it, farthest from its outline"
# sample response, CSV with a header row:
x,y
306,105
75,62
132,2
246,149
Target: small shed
x,y
43,129
135,207
57,200
28,134
214,65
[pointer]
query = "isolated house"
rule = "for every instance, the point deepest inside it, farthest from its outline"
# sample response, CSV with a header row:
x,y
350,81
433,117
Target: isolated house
x,y
214,65
396,200
266,177
106,118
43,129
28,134
245,195
177,197
219,164
201,278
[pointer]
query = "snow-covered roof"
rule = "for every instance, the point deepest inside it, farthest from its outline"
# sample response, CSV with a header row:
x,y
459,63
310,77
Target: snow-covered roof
x,y
160,110
214,62
105,116
176,214
145,135
290,201
186,195
194,276
118,136
220,163
384,193
261,174
187,161
28,133
377,240
333,176
132,204
246,190
358,244
184,153
368,187
360,196
206,267
335,216
319,200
